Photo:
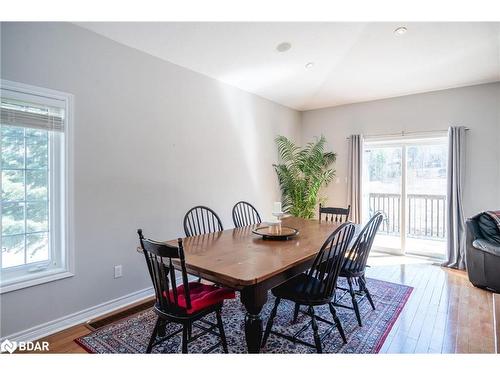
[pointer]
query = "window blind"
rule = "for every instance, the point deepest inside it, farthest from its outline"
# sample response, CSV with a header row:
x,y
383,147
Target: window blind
x,y
15,112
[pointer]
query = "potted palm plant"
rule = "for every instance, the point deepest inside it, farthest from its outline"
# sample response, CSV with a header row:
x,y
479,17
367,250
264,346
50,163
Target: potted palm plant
x,y
302,172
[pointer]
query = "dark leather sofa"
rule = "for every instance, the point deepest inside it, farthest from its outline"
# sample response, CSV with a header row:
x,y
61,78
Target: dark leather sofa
x,y
482,258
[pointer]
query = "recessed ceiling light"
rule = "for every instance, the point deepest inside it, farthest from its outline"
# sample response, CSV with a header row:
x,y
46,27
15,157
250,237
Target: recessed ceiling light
x,y
400,30
283,47
309,65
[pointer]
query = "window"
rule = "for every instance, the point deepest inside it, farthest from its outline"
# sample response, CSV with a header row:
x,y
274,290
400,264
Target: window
x,y
34,160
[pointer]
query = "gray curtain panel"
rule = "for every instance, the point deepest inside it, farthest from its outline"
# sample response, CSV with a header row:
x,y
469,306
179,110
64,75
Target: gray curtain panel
x,y
354,177
455,219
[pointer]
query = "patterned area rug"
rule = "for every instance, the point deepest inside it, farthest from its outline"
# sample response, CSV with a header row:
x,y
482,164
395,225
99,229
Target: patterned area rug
x,y
131,334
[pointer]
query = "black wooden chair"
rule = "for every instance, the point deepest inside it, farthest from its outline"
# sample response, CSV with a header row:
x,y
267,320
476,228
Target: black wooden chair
x,y
315,287
245,214
201,220
186,304
334,214
354,265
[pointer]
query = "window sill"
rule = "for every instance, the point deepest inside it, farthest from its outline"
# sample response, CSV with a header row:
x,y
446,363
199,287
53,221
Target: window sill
x,y
30,280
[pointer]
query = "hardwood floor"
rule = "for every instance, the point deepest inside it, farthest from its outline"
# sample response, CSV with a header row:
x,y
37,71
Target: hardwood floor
x,y
445,313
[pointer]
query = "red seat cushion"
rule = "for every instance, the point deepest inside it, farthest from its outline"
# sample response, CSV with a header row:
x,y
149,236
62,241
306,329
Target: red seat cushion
x,y
202,296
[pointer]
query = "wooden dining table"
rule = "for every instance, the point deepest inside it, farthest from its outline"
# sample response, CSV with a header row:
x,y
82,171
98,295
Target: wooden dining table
x,y
242,260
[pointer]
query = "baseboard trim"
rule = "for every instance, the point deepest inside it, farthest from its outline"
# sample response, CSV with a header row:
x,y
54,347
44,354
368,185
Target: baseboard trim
x,y
79,317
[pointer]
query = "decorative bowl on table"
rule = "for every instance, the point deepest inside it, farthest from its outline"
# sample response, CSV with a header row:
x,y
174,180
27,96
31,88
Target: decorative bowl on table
x,y
273,230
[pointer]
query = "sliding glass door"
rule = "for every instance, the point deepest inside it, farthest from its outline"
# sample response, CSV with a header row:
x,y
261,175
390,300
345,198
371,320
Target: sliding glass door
x,y
406,180
426,165
382,191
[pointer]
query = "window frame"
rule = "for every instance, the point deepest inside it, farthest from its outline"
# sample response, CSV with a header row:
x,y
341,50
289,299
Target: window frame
x,y
60,183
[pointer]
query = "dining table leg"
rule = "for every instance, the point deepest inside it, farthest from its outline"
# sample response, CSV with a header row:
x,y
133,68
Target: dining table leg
x,y
253,298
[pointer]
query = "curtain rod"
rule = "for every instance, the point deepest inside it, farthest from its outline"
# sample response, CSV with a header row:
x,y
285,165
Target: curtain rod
x,y
403,133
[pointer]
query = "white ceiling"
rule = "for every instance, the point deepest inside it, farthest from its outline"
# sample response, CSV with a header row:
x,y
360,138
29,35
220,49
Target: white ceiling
x,y
353,62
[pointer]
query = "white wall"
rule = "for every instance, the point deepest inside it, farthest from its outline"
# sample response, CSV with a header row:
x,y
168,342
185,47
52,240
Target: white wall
x,y
152,139
476,107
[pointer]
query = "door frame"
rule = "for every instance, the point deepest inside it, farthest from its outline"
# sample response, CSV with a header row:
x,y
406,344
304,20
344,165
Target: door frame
x,y
402,141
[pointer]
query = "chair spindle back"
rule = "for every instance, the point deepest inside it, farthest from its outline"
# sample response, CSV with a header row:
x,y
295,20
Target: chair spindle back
x,y
335,214
159,258
328,263
201,220
245,214
357,255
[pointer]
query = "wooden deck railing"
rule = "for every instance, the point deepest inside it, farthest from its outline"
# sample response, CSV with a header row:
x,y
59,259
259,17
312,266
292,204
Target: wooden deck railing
x,y
425,214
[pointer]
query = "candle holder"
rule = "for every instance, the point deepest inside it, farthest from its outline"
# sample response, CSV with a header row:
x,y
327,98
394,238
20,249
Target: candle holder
x,y
275,228
278,215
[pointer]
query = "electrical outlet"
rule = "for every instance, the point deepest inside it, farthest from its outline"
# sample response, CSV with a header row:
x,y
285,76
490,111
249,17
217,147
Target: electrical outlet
x,y
118,271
